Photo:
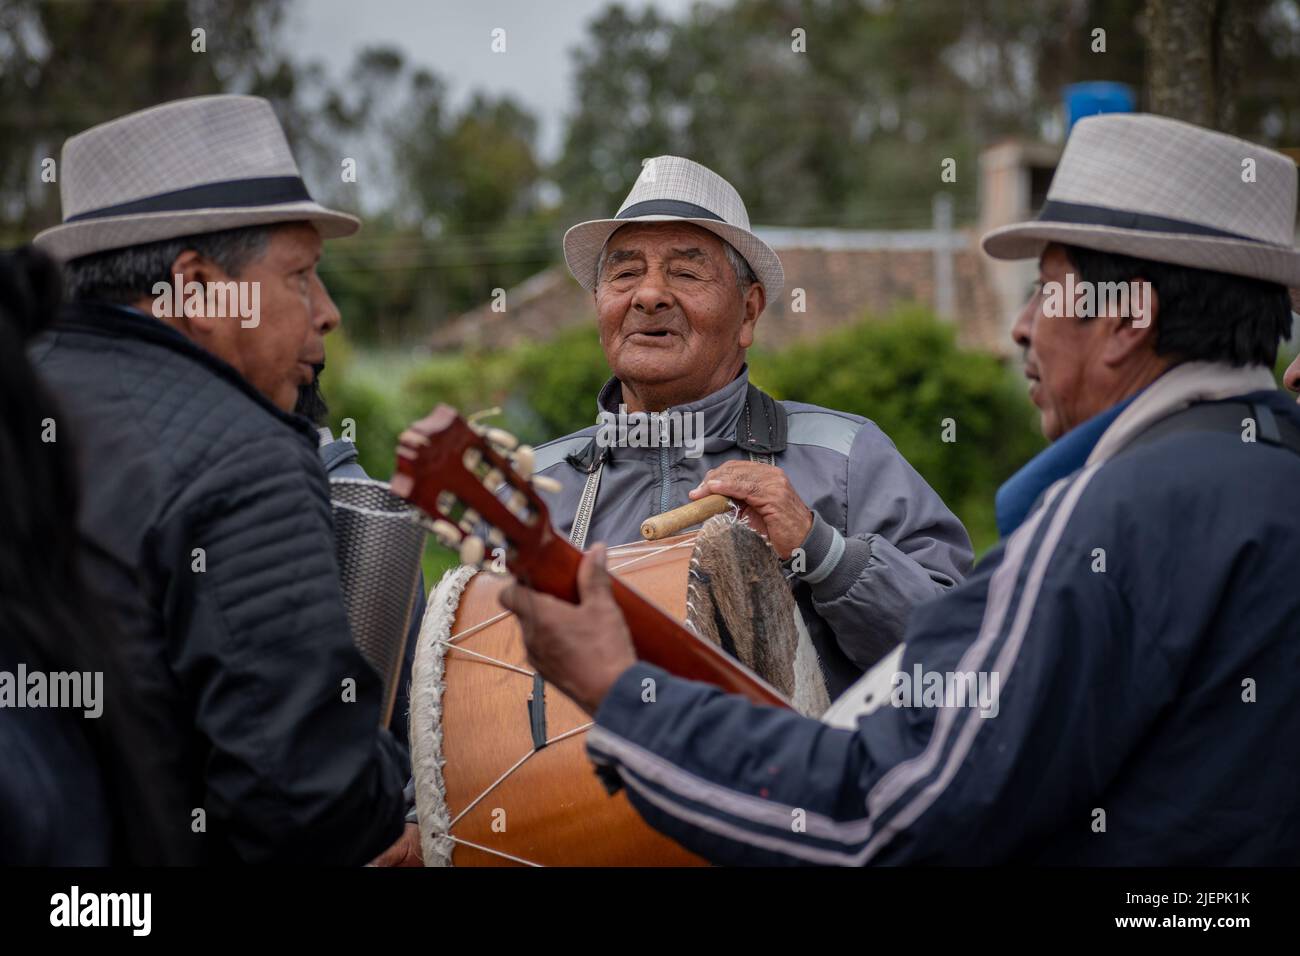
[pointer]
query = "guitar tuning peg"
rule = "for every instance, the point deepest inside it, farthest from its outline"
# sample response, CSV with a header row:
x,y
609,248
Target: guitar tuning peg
x,y
499,436
496,538
524,459
482,413
472,551
469,521
545,483
493,480
448,534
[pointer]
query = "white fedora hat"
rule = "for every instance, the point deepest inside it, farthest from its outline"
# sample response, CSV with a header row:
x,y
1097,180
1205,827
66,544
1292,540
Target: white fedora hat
x,y
674,189
1160,189
185,167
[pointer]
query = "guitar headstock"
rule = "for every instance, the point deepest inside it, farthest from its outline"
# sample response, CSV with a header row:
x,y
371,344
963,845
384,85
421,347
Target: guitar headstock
x,y
476,484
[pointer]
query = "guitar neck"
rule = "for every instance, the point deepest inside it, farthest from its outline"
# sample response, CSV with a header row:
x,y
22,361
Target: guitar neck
x,y
658,638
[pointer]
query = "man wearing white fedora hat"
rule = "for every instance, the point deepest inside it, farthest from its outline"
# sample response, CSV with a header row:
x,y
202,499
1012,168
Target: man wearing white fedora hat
x,y
206,513
679,282
1112,682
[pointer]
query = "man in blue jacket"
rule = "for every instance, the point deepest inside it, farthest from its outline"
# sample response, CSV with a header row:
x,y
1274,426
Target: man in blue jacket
x,y
1116,682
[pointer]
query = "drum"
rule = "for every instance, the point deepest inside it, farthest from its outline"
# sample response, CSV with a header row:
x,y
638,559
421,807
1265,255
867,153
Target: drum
x,y
502,779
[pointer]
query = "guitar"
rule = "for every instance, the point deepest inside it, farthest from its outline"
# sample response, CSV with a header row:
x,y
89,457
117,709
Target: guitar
x,y
454,473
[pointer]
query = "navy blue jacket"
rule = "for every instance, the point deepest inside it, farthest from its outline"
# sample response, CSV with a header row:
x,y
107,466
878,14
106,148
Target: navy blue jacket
x,y
1147,713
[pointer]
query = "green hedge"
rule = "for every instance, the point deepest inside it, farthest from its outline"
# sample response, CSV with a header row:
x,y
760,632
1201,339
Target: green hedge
x,y
906,373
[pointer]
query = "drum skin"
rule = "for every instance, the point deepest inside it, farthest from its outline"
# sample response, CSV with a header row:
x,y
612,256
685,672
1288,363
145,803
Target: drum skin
x,y
553,809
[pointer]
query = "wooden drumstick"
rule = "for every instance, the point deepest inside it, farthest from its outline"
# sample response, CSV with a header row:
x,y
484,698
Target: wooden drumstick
x,y
670,522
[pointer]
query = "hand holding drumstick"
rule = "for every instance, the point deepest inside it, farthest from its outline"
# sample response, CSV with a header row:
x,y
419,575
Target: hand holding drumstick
x,y
769,502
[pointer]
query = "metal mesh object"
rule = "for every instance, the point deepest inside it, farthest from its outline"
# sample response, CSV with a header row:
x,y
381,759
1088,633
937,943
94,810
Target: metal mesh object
x,y
378,543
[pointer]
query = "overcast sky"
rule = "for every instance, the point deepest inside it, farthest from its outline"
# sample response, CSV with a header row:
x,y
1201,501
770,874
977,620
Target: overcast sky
x,y
453,38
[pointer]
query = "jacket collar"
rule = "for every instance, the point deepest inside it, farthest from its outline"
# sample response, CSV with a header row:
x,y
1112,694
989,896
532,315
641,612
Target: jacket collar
x,y
1176,389
1015,499
125,322
718,412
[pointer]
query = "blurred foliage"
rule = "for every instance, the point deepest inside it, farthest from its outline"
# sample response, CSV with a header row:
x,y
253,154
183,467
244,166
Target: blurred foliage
x,y
67,66
909,376
851,132
891,88
906,373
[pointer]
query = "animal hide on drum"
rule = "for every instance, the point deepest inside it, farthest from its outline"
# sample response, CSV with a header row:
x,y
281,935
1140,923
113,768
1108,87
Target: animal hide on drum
x,y
737,599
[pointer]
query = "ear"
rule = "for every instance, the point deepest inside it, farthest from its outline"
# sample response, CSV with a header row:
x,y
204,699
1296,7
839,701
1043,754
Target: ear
x,y
193,267
1136,332
755,300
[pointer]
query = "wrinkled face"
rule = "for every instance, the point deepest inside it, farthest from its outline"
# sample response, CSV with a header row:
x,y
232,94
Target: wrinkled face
x,y
673,324
1062,354
281,352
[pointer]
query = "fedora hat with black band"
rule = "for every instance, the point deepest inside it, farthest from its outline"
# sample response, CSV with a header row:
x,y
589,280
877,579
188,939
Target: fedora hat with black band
x,y
189,166
1160,189
674,189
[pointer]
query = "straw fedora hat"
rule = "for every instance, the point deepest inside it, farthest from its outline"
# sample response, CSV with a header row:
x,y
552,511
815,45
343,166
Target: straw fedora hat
x,y
674,189
1160,189
185,167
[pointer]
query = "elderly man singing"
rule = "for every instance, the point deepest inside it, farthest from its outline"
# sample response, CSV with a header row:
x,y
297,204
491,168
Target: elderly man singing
x,y
1112,683
679,282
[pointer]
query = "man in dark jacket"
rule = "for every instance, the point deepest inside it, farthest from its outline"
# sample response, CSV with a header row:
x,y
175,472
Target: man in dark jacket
x,y
1112,683
206,514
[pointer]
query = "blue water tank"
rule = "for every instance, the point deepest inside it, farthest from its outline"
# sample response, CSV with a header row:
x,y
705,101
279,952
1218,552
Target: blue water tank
x,y
1088,99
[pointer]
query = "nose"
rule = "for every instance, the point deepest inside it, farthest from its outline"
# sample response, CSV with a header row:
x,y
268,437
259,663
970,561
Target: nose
x,y
1291,377
1022,331
652,295
325,314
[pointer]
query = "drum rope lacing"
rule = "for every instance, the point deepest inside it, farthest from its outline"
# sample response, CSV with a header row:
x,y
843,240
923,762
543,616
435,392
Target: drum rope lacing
x,y
450,644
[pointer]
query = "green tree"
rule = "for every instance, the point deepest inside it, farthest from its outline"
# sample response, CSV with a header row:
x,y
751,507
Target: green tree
x,y
70,65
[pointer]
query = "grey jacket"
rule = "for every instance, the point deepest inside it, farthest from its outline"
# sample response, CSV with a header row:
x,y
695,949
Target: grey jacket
x,y
881,543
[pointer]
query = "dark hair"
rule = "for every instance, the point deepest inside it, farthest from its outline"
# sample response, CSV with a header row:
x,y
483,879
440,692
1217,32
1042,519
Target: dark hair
x,y
1201,315
125,275
47,612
